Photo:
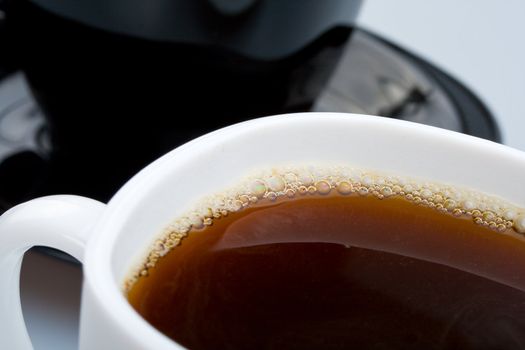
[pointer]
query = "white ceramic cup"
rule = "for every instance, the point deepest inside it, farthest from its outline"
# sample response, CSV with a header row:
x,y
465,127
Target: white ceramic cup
x,y
108,239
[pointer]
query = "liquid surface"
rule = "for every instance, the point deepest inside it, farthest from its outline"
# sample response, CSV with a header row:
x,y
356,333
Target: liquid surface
x,y
339,272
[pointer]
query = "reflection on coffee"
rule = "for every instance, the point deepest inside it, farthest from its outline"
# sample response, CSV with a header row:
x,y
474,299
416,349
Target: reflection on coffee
x,y
337,258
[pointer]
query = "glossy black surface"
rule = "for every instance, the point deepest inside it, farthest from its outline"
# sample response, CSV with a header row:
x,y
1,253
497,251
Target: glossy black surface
x,y
258,29
100,108
114,102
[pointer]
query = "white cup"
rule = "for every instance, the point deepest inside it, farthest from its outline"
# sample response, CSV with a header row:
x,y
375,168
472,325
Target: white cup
x,y
109,239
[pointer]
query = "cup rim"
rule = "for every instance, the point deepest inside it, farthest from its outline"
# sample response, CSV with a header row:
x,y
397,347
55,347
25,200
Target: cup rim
x,y
97,275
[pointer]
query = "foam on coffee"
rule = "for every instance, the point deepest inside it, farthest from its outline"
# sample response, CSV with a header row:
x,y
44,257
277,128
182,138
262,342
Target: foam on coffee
x,y
292,181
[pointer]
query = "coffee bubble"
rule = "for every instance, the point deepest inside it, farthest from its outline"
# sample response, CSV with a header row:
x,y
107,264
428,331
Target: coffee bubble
x,y
295,181
323,187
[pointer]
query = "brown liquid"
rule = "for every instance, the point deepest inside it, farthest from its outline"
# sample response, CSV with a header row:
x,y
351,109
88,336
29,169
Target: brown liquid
x,y
339,272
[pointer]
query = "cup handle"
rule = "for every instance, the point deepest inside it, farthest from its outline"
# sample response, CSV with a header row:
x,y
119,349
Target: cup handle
x,y
62,222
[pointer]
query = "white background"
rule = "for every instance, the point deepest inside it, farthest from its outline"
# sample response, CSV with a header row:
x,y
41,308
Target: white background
x,y
480,42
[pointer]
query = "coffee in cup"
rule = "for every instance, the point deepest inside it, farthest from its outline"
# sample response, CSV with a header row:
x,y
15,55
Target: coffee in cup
x,y
337,257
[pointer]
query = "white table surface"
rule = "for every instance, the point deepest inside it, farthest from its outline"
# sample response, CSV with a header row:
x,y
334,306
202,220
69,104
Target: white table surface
x,y
480,42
